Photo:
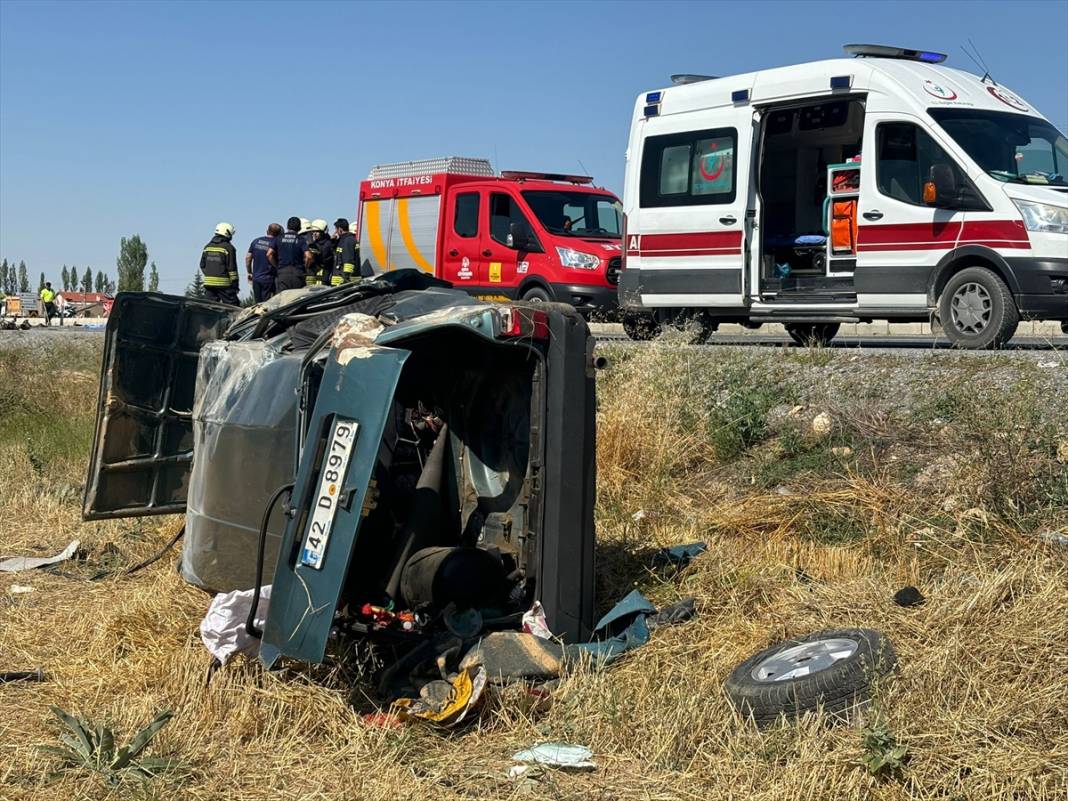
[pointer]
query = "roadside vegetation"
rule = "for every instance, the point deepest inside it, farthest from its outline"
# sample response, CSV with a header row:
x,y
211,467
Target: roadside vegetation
x,y
823,482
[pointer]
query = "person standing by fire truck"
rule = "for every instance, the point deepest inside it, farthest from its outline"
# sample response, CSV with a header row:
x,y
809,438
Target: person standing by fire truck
x,y
218,262
291,251
345,251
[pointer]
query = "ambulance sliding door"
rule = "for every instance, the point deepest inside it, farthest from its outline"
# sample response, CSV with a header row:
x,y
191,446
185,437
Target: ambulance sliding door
x,y
400,233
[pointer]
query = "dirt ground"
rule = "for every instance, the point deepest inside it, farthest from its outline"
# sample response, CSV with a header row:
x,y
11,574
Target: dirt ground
x,y
942,472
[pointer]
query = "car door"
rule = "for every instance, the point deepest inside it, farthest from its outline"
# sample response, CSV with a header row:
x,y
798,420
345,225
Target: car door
x,y
900,238
500,259
693,191
143,446
462,259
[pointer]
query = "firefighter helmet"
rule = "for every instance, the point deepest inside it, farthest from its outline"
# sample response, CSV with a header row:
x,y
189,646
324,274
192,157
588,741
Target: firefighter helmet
x,y
318,225
305,225
225,229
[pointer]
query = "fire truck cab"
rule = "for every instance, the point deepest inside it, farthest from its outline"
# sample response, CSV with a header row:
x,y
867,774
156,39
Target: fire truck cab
x,y
885,186
517,235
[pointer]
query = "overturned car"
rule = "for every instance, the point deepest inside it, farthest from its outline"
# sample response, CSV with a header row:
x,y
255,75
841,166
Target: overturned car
x,y
395,458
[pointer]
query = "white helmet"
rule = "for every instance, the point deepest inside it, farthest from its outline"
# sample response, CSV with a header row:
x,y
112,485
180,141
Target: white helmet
x,y
225,229
305,223
318,225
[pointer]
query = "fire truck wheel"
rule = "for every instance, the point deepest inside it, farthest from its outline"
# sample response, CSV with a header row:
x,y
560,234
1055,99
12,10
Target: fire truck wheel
x,y
977,310
640,327
812,334
536,294
830,670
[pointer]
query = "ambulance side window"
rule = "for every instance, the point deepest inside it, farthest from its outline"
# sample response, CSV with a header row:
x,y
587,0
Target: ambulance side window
x,y
905,156
694,168
465,220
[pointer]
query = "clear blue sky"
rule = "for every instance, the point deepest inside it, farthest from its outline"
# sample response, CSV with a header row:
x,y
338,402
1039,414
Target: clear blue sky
x,y
162,119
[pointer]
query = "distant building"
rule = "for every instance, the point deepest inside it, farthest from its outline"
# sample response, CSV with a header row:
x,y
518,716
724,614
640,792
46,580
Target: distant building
x,y
86,304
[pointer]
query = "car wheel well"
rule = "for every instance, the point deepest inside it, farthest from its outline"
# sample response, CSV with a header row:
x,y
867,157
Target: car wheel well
x,y
946,273
533,281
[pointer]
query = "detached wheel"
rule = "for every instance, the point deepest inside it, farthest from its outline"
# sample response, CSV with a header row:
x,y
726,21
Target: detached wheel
x,y
536,294
812,334
640,326
977,311
830,669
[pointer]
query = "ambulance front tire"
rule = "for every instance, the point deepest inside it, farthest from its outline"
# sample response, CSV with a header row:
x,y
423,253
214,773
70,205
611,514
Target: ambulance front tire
x,y
976,310
537,294
640,326
812,334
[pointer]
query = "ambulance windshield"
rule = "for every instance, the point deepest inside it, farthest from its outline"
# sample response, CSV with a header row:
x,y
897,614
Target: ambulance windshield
x,y
583,214
1010,147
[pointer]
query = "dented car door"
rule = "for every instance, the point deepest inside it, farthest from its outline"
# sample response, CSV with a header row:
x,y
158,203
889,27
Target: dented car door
x,y
143,445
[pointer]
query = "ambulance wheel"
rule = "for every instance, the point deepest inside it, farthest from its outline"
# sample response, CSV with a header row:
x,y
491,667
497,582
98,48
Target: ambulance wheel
x,y
697,325
536,294
977,311
640,327
829,670
812,334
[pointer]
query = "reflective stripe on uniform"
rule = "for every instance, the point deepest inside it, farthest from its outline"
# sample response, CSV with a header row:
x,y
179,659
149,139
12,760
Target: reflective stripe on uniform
x,y
348,268
217,280
336,280
310,280
211,249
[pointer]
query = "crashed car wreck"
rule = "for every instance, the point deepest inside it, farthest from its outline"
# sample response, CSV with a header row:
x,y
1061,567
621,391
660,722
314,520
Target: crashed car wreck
x,y
420,464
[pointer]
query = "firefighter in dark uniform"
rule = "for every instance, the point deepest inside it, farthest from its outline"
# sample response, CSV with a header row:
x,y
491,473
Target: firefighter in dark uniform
x,y
308,235
291,252
322,250
218,262
346,254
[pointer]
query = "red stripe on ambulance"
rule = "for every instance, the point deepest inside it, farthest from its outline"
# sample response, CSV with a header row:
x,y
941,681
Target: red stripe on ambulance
x,y
708,243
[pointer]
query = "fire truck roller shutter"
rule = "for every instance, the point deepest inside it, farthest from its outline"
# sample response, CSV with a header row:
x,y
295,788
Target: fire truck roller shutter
x,y
414,234
374,233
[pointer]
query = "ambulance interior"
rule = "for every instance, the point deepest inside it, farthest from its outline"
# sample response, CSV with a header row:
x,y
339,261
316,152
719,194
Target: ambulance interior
x,y
808,241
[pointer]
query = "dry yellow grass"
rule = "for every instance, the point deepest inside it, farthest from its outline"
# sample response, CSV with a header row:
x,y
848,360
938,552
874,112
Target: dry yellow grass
x,y
981,698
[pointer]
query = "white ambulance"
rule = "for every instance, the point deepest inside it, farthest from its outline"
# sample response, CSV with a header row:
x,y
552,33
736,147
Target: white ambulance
x,y
883,186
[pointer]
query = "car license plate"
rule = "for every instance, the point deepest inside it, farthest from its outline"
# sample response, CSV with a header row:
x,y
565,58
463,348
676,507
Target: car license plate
x,y
336,457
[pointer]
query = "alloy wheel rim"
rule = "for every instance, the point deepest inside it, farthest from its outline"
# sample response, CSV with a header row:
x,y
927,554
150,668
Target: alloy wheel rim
x,y
971,307
804,659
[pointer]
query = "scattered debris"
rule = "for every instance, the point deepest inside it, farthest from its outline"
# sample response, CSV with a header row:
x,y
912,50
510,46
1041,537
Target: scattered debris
x,y
679,555
17,564
223,628
909,596
1054,538
534,622
553,755
20,589
1062,451
445,703
22,675
508,655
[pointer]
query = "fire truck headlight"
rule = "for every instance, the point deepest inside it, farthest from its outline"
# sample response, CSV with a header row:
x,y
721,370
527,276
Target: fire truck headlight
x,y
577,260
1043,217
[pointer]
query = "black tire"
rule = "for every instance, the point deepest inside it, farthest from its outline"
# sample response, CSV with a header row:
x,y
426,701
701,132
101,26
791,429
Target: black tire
x,y
837,687
812,334
537,294
640,326
976,310
1064,327
698,325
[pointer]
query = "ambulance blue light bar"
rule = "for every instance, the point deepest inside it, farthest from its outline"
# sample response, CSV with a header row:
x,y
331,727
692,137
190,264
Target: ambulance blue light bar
x,y
885,51
739,95
841,81
653,97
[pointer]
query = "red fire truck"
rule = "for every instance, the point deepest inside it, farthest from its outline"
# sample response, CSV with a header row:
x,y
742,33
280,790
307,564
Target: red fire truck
x,y
528,235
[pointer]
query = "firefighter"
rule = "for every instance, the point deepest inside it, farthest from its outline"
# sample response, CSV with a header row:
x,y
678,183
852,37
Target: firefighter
x,y
48,298
218,262
322,249
346,254
291,252
261,263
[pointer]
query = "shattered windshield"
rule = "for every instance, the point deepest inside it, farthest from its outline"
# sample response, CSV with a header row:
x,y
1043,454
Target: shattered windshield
x,y
582,214
1009,147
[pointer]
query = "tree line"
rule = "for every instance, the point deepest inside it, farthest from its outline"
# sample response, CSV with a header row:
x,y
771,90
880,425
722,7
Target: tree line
x,y
130,272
